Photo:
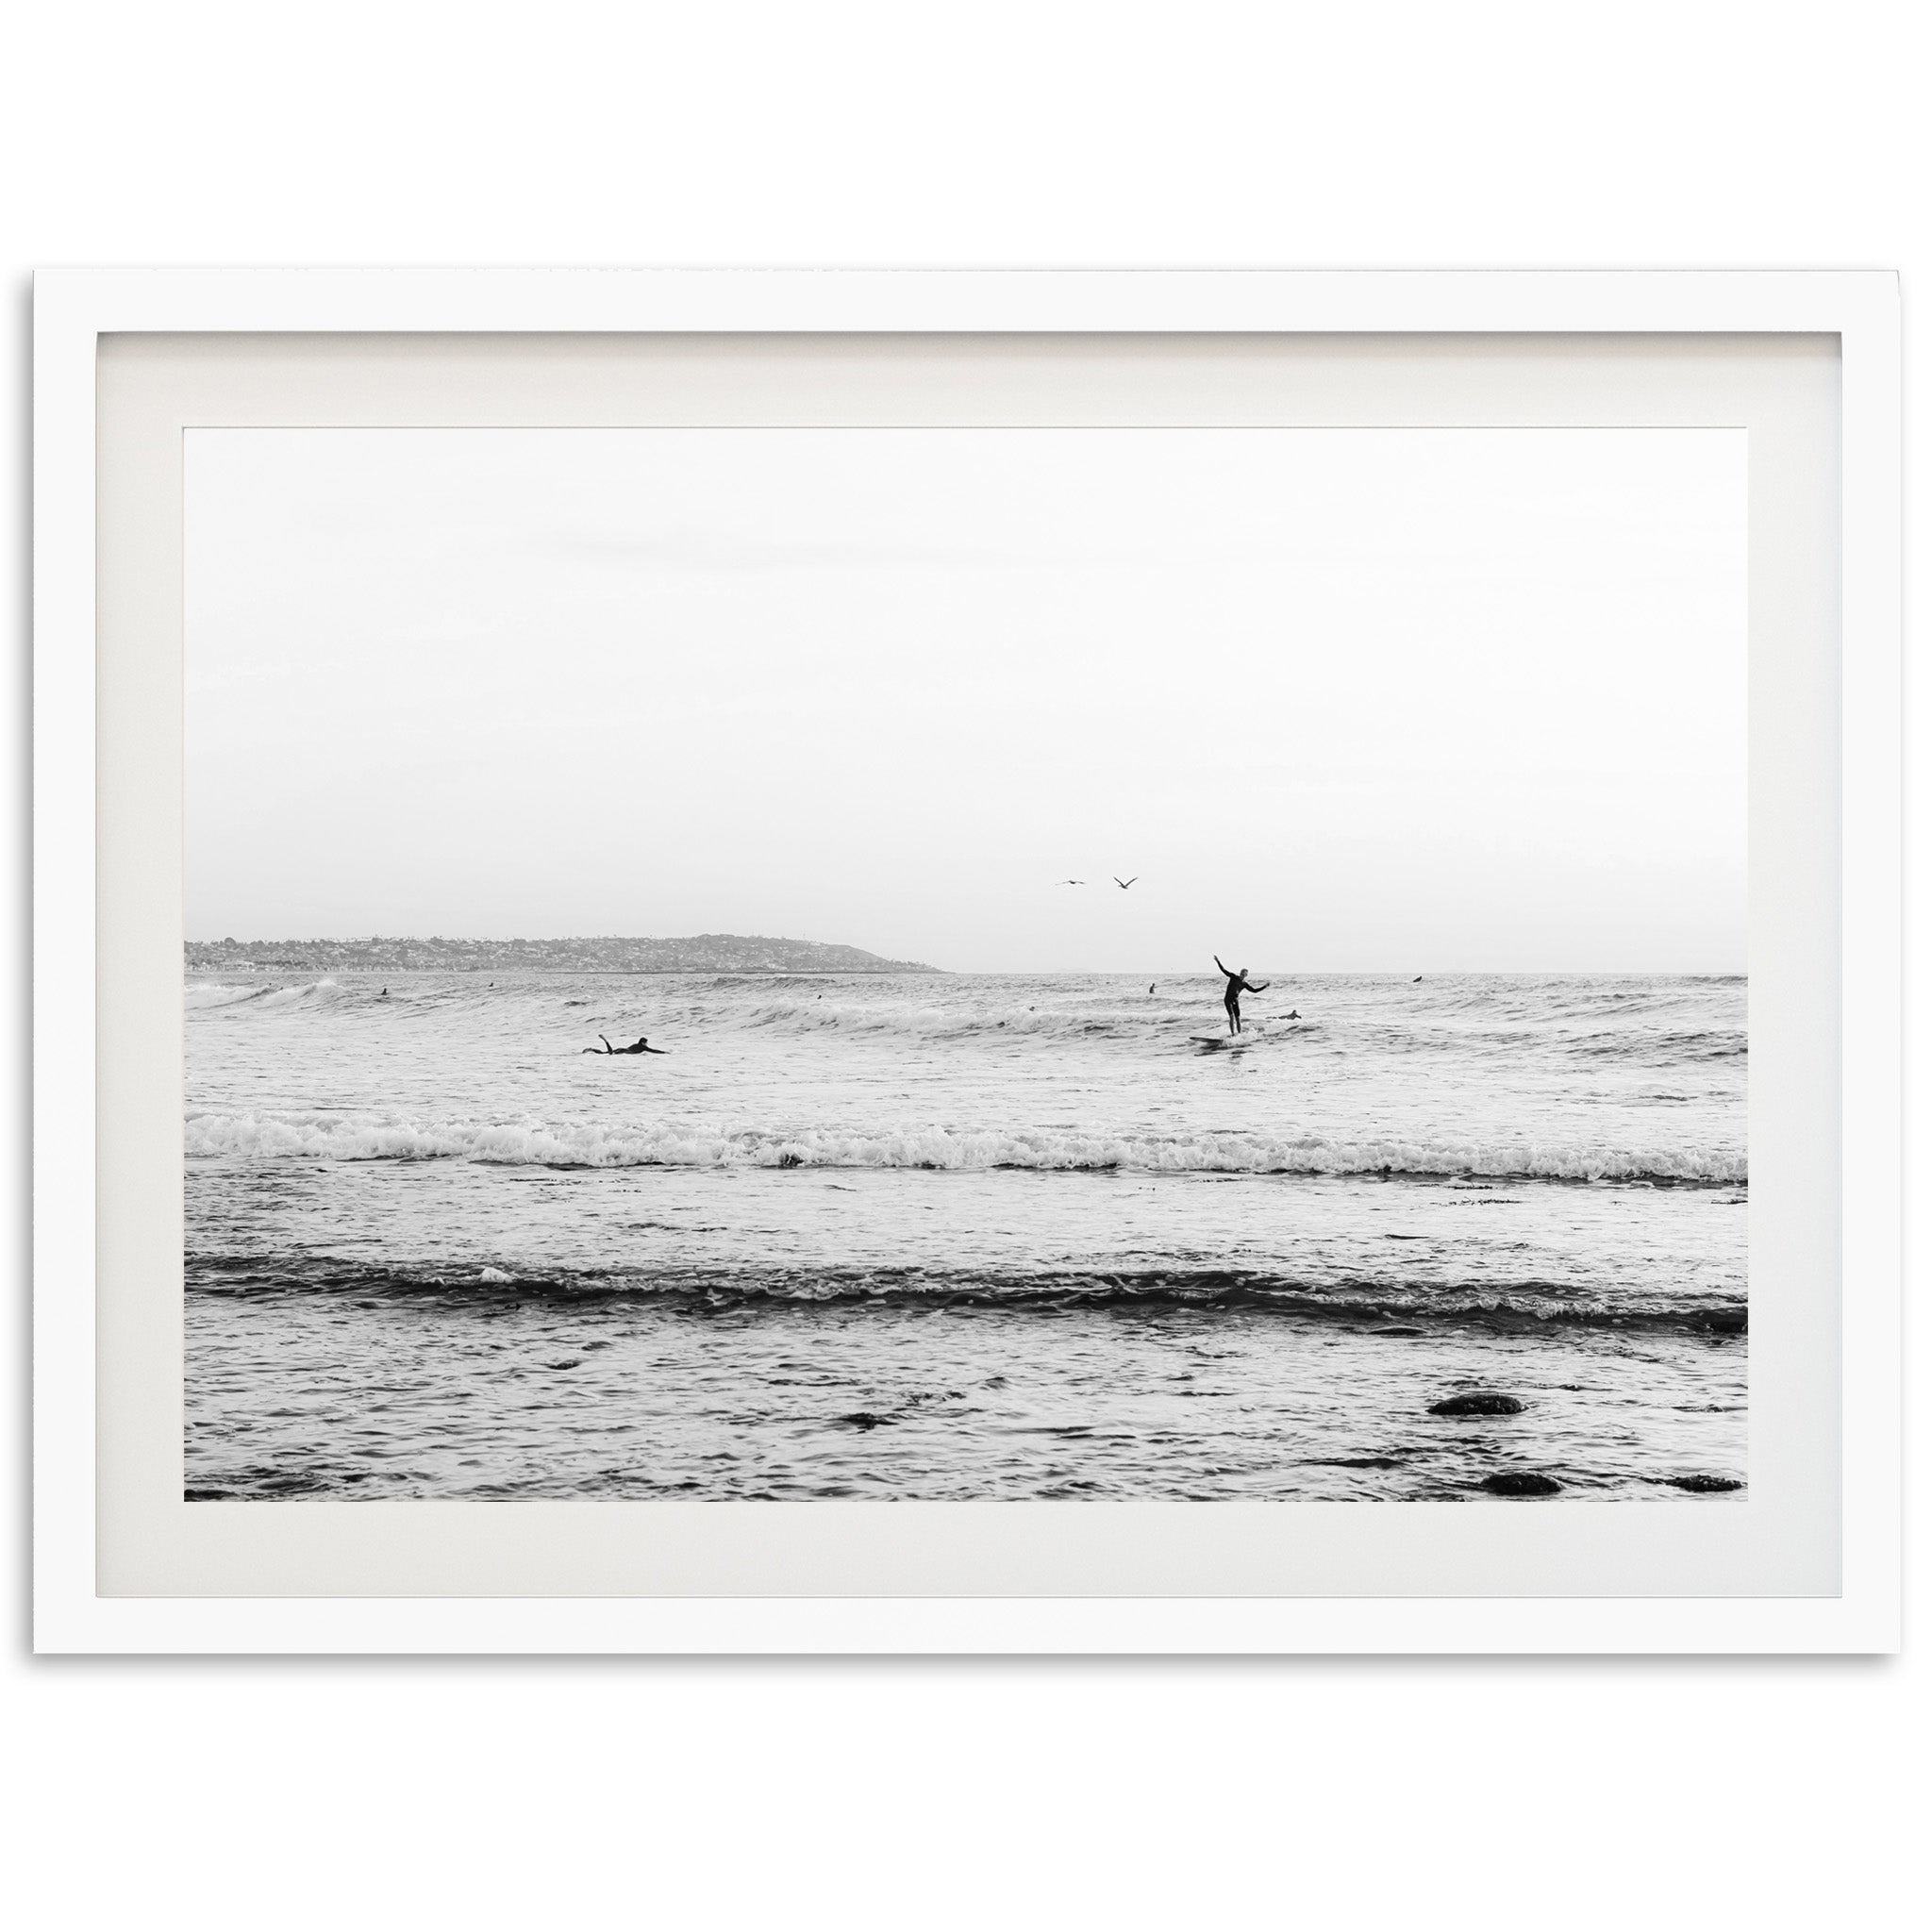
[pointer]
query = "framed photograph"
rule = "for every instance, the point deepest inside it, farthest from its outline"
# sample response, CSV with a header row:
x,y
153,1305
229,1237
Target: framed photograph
x,y
1252,922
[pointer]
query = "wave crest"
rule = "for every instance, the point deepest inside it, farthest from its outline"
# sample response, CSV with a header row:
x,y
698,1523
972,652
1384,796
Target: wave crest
x,y
201,996
1042,1288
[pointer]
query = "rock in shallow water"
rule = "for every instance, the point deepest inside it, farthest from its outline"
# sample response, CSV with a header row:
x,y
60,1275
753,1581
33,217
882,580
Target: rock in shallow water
x,y
1478,1405
1521,1482
1705,1485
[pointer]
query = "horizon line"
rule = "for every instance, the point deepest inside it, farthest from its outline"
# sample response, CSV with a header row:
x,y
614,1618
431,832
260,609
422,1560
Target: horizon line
x,y
910,968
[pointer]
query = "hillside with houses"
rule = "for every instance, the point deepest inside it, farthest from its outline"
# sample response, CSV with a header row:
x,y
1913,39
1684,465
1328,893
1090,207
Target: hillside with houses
x,y
706,952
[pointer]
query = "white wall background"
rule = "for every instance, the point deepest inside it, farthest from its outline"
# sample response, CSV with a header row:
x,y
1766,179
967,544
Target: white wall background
x,y
1320,1795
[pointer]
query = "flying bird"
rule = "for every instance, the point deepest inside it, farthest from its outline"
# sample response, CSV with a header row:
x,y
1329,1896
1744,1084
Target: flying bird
x,y
1122,883
1073,882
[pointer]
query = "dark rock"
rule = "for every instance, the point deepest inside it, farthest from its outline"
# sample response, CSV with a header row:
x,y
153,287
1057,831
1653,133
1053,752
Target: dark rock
x,y
1389,1334
1476,1404
1705,1485
1521,1482
1728,1321
862,1419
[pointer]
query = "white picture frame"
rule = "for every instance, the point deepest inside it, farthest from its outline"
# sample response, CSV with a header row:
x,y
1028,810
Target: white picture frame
x,y
75,310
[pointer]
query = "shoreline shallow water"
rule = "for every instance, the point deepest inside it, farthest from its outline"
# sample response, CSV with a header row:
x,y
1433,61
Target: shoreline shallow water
x,y
682,1396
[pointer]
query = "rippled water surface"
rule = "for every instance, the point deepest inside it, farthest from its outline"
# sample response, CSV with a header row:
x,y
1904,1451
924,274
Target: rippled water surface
x,y
952,1237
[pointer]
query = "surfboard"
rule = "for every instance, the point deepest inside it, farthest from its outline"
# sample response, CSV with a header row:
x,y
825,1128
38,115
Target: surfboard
x,y
1225,1040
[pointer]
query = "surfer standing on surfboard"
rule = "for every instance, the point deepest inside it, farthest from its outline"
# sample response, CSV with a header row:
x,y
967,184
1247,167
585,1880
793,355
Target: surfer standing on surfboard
x,y
1237,983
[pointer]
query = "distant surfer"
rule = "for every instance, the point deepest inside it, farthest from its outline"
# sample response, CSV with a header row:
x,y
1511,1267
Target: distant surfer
x,y
642,1045
1237,983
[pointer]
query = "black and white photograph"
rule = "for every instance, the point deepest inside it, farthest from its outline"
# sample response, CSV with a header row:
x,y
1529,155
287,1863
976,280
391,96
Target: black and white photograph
x,y
966,976
962,964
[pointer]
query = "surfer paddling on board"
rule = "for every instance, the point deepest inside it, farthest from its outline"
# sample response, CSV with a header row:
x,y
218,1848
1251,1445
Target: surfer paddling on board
x,y
1237,983
641,1046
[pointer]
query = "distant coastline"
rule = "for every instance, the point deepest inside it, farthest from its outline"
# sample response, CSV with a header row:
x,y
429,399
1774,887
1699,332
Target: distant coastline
x,y
705,952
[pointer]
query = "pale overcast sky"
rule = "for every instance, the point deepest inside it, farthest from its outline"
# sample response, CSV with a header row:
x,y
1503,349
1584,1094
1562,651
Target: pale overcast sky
x,y
1343,699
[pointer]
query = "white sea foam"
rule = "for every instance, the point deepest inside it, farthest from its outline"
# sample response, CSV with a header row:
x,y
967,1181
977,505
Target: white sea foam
x,y
334,1137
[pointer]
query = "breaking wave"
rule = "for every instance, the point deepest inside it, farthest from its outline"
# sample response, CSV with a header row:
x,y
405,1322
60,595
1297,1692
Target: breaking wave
x,y
1044,1290
201,996
930,1022
335,1136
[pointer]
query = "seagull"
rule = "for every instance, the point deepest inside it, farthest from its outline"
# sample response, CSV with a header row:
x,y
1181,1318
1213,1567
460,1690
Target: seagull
x,y
1122,883
1073,882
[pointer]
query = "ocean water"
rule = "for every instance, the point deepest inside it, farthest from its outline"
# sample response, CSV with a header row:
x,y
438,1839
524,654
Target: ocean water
x,y
950,1237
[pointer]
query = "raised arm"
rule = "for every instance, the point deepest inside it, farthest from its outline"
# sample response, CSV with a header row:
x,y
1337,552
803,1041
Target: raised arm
x,y
1217,961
